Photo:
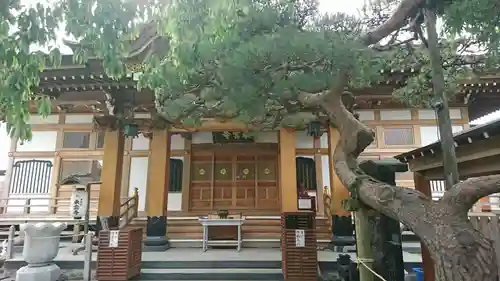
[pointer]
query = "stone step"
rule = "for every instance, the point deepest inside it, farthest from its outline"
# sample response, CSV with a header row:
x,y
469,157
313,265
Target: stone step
x,y
213,274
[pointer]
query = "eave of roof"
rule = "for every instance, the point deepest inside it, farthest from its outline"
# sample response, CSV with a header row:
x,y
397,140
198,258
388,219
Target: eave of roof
x,y
464,137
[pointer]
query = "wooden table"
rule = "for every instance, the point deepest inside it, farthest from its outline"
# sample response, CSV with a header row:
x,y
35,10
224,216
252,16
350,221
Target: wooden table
x,y
206,222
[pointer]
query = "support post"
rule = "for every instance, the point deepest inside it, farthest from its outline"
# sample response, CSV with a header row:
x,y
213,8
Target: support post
x,y
384,233
288,173
337,189
364,250
423,185
10,242
157,192
111,177
87,260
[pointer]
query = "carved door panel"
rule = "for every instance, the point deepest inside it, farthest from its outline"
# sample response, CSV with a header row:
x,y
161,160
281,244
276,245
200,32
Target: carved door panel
x,y
267,183
245,181
239,180
201,182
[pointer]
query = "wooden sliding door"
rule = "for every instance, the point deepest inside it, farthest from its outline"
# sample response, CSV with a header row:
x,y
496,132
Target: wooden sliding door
x,y
240,178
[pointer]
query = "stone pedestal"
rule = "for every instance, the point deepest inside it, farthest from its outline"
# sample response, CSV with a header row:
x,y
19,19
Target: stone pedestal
x,y
50,272
41,245
156,235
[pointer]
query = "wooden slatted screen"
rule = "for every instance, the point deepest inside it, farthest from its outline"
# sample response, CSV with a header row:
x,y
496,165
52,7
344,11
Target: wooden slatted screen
x,y
31,177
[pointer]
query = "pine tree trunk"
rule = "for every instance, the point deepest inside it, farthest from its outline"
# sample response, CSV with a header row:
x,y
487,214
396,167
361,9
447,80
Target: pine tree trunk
x,y
461,253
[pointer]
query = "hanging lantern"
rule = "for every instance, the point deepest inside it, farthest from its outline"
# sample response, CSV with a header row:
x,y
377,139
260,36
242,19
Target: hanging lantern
x,y
131,130
79,201
314,129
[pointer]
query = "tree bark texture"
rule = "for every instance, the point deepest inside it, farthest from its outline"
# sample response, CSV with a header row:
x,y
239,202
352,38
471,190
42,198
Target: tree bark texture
x,y
460,252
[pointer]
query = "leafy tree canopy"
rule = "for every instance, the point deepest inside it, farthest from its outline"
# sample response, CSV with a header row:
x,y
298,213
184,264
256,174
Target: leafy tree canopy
x,y
247,60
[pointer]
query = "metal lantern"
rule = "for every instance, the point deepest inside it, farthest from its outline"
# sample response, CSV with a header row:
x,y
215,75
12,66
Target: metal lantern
x,y
314,129
131,130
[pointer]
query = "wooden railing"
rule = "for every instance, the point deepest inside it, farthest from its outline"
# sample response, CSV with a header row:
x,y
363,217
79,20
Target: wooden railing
x,y
37,207
129,209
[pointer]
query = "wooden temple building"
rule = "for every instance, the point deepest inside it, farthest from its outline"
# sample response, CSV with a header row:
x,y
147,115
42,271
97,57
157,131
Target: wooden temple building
x,y
183,173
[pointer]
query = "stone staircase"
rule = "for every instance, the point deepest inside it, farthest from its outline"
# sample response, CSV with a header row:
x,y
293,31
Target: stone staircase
x,y
180,270
257,231
212,270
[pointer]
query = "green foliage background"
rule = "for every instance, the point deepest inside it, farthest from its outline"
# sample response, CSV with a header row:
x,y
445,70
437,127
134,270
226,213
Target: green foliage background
x,y
241,59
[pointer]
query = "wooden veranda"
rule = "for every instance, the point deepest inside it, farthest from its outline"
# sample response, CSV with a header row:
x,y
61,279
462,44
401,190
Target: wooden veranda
x,y
478,154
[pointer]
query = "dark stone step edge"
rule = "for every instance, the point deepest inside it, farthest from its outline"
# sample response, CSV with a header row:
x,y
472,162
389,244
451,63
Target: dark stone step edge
x,y
212,276
71,265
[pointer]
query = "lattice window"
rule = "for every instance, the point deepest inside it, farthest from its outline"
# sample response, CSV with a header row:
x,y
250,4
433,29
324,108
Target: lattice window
x,y
398,136
79,140
306,173
176,166
90,168
31,177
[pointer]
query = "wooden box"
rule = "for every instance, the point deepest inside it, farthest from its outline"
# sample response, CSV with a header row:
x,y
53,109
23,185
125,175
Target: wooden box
x,y
299,263
123,262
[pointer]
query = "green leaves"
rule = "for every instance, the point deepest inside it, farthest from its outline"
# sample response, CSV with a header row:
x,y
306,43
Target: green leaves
x,y
246,60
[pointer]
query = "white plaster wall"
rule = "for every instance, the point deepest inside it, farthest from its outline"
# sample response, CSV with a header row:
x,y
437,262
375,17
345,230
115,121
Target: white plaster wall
x,y
139,178
429,114
430,134
41,141
140,143
302,140
177,142
399,114
40,204
325,167
175,198
41,201
79,118
366,115
38,119
324,140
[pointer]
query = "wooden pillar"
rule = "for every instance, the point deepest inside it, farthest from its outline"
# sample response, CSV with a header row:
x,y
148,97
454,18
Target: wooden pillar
x,y
157,191
337,190
288,173
423,185
111,178
186,175
318,161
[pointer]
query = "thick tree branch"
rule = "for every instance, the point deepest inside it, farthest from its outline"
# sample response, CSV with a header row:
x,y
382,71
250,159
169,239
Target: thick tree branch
x,y
396,202
405,10
465,194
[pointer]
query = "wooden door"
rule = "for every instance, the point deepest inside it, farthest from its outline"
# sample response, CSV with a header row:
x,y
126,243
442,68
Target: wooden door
x,y
243,180
267,182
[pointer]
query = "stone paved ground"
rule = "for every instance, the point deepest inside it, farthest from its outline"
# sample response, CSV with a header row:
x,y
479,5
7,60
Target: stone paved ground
x,y
195,254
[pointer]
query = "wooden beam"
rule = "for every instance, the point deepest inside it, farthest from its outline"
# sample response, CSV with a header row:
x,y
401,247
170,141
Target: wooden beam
x,y
157,191
475,168
318,162
288,173
337,190
467,152
111,177
422,184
